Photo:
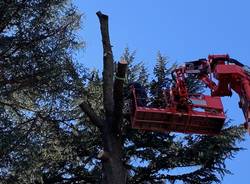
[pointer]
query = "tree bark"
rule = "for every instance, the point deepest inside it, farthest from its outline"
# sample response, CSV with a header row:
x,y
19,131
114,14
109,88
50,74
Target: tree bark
x,y
113,168
118,94
108,65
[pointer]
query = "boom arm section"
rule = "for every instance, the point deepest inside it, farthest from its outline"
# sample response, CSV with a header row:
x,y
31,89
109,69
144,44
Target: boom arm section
x,y
230,75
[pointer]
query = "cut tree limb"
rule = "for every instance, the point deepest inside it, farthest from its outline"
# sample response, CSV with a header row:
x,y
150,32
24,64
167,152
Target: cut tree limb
x,y
91,114
118,91
86,108
102,155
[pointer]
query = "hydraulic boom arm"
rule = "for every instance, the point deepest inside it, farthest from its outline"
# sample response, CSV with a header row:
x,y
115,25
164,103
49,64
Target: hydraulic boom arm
x,y
230,75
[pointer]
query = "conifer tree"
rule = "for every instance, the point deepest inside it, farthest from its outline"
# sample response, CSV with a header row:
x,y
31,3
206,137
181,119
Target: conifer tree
x,y
38,143
46,138
161,81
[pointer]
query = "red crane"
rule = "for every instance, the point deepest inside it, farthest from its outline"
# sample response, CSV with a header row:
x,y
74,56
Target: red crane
x,y
196,113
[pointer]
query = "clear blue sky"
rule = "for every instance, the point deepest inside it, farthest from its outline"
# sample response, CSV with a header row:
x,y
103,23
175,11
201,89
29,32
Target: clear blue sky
x,y
182,30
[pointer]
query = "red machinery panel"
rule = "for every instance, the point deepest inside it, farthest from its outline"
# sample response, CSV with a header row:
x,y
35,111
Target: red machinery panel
x,y
205,116
228,71
164,120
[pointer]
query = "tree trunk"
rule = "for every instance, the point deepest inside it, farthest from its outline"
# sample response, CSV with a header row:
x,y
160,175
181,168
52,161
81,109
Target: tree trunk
x,y
113,168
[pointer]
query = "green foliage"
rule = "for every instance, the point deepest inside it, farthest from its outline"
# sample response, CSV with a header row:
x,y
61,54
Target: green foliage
x,y
41,133
136,70
161,81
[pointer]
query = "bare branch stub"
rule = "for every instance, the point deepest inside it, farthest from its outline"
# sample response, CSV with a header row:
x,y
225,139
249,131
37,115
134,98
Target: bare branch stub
x,y
118,91
91,114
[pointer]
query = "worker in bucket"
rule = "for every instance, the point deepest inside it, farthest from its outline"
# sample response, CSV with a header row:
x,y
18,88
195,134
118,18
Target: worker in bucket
x,y
140,92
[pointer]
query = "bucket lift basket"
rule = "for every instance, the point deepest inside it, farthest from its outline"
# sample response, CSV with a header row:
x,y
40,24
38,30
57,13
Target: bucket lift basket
x,y
204,115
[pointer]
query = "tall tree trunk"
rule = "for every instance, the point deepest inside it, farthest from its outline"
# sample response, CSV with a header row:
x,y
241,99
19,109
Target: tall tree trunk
x,y
113,168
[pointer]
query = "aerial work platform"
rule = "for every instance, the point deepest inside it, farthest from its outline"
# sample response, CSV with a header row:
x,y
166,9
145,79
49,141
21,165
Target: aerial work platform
x,y
180,110
164,120
204,116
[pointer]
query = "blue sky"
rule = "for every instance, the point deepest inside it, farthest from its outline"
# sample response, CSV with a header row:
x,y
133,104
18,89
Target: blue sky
x,y
182,31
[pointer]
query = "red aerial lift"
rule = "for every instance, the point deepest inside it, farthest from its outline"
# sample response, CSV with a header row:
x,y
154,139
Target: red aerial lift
x,y
196,113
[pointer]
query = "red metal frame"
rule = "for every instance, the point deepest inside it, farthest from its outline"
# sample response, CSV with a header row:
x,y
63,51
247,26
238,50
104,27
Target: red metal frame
x,y
196,113
204,116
